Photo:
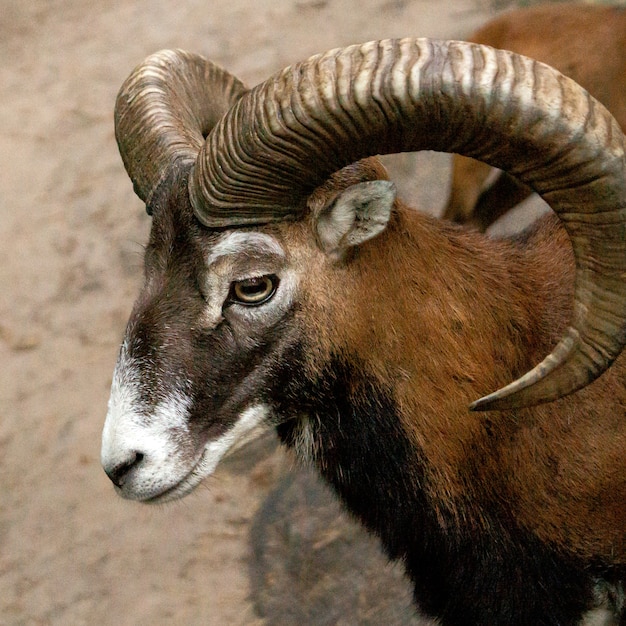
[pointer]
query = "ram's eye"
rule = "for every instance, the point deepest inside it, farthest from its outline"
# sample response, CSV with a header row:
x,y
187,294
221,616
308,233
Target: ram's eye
x,y
253,291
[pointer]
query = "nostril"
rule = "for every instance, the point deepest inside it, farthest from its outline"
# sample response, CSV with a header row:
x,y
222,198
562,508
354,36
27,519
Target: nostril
x,y
119,473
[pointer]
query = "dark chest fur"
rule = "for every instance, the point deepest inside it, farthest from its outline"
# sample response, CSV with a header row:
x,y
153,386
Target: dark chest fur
x,y
499,575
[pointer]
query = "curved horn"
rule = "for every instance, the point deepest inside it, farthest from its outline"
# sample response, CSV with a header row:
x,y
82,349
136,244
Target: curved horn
x,y
286,136
164,111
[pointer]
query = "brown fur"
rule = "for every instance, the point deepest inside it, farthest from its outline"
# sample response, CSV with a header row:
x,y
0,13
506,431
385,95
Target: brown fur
x,y
561,466
587,43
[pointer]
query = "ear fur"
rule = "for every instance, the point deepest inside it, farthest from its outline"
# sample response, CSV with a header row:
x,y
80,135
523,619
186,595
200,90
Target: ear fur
x,y
357,214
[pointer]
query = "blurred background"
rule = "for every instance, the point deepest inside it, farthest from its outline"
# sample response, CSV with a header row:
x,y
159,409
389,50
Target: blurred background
x,y
258,543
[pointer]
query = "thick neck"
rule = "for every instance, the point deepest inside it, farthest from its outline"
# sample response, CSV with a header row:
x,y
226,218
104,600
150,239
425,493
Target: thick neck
x,y
439,316
438,303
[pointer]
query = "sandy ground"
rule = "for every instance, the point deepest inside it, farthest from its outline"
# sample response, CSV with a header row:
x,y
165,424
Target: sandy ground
x,y
71,236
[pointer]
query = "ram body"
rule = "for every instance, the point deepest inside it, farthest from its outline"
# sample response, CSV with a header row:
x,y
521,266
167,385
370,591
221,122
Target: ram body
x,y
361,329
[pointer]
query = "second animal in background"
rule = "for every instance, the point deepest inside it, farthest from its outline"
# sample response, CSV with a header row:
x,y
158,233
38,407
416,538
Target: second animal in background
x,y
586,43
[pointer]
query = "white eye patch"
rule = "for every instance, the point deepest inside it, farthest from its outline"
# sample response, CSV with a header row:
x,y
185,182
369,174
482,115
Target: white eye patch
x,y
237,244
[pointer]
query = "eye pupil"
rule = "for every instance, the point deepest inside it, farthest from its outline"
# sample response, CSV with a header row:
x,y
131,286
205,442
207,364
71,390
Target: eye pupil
x,y
254,291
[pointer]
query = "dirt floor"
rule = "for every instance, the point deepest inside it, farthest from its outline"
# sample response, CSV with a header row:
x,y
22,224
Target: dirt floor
x,y
71,236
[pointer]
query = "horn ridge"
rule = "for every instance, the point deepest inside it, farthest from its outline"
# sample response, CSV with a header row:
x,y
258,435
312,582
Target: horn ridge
x,y
165,109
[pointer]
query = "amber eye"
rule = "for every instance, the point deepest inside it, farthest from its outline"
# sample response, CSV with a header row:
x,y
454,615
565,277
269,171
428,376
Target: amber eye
x,y
254,291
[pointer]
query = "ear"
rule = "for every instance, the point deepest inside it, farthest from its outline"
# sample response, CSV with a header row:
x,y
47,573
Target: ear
x,y
357,214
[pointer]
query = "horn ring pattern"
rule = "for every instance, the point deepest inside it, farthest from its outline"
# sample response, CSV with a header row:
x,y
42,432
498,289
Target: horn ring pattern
x,y
164,111
287,135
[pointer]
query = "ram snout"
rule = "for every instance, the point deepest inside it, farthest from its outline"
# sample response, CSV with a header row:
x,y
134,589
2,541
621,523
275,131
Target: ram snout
x,y
142,449
169,424
159,451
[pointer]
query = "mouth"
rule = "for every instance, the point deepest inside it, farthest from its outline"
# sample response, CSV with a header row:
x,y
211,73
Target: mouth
x,y
251,425
187,484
